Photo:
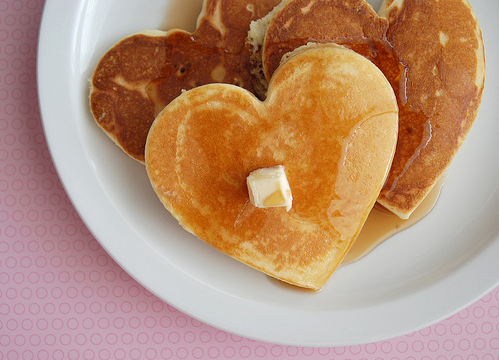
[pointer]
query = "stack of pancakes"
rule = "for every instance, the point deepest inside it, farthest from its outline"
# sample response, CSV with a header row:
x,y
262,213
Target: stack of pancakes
x,y
431,52
288,101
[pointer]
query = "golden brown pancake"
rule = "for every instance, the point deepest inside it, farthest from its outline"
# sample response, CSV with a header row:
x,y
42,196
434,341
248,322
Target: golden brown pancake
x,y
330,119
295,23
440,44
142,73
432,54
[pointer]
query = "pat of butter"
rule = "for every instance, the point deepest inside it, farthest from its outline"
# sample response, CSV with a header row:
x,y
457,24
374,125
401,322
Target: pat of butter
x,y
269,187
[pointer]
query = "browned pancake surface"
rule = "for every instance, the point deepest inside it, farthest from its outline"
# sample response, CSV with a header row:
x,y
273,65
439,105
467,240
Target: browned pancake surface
x,y
440,44
432,54
351,23
142,73
324,107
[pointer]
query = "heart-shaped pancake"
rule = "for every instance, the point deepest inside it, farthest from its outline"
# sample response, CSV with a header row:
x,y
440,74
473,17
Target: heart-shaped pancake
x,y
430,51
142,73
440,44
330,119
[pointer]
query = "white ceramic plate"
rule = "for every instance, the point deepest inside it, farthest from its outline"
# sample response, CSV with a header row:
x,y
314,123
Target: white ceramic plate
x,y
425,274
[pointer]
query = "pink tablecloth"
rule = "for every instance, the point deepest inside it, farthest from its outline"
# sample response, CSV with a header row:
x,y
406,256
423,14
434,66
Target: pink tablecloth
x,y
63,297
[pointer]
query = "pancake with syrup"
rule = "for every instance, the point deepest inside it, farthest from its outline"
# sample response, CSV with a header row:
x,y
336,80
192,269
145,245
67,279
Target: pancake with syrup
x,y
142,73
440,43
330,118
291,24
430,51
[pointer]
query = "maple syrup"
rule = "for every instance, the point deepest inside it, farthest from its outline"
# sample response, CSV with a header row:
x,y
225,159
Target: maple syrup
x,y
382,224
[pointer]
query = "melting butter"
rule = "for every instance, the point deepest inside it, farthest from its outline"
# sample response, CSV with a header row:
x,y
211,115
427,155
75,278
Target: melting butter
x,y
269,187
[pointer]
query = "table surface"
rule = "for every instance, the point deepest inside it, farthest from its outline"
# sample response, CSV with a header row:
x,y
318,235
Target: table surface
x,y
63,297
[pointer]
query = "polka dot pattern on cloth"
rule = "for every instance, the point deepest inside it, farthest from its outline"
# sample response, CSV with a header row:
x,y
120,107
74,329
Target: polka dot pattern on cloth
x,y
63,297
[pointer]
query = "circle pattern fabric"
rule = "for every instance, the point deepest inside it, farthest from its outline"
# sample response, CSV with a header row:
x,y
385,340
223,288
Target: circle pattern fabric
x,y
63,297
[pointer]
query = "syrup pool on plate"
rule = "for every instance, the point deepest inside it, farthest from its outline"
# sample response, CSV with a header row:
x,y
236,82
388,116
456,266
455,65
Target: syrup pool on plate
x,y
382,224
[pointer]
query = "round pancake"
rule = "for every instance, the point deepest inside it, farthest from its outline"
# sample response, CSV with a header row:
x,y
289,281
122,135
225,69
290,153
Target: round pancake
x,y
330,119
142,73
432,54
